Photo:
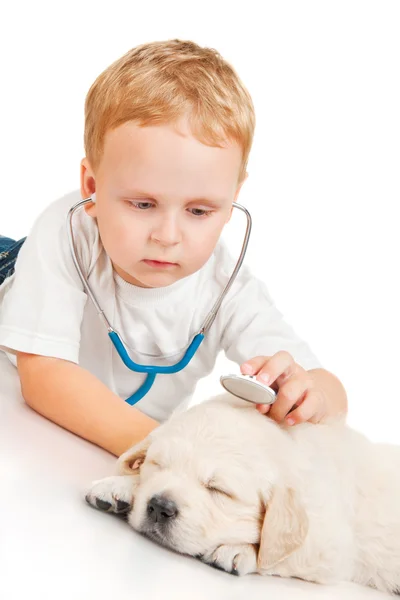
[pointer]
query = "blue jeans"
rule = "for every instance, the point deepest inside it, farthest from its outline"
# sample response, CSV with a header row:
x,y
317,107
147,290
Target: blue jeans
x,y
8,255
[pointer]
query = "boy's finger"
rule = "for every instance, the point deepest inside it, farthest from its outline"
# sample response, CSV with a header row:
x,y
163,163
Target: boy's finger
x,y
263,408
253,365
306,411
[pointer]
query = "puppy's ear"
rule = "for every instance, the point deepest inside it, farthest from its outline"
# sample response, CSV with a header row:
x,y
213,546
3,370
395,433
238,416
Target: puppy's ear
x,y
129,462
284,528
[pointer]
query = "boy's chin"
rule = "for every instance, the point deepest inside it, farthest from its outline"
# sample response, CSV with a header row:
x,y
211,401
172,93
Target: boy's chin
x,y
154,280
150,278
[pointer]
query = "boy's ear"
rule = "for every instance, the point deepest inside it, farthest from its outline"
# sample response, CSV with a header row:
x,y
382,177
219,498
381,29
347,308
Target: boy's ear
x,y
284,528
88,186
130,461
236,195
239,187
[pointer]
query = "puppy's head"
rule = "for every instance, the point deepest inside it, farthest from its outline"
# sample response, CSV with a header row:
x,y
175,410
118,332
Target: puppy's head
x,y
217,474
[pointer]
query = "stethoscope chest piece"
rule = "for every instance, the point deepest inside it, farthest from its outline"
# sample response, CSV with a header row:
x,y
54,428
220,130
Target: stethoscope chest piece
x,y
248,388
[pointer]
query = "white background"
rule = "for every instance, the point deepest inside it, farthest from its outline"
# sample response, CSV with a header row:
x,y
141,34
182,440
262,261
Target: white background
x,y
324,170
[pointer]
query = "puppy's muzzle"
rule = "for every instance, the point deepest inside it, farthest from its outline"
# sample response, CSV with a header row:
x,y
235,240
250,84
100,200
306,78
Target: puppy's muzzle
x,y
162,510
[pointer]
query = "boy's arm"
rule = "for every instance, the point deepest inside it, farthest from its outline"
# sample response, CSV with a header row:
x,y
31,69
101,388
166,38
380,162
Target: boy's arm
x,y
72,397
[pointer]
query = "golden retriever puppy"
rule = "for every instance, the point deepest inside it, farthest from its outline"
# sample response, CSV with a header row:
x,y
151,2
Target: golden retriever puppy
x,y
228,485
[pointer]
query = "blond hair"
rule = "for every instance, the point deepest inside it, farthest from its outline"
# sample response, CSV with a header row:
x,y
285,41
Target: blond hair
x,y
159,82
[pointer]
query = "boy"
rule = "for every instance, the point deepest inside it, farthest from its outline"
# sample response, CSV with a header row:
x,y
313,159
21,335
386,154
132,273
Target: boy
x,y
168,131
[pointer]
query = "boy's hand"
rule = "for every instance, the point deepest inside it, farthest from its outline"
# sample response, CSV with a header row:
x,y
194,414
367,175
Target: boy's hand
x,y
294,386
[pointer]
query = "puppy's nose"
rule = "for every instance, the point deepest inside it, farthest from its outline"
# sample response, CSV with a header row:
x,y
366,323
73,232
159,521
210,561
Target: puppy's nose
x,y
161,509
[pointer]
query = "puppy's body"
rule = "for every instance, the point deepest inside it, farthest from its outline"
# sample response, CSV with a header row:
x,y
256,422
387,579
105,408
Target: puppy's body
x,y
221,481
351,492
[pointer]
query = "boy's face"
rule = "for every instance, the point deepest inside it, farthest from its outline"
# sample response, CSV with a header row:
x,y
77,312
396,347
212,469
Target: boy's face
x,y
162,200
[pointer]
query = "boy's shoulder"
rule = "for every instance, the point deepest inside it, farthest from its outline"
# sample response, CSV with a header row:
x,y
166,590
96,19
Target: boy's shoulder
x,y
50,231
221,267
225,261
58,209
53,221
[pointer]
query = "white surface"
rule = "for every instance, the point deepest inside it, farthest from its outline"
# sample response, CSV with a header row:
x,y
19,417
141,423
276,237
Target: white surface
x,y
54,546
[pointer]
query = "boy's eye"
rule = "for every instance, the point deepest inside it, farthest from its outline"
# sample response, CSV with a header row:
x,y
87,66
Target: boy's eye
x,y
199,212
145,205
142,205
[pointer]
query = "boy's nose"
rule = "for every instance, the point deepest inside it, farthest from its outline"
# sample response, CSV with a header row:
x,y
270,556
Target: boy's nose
x,y
167,232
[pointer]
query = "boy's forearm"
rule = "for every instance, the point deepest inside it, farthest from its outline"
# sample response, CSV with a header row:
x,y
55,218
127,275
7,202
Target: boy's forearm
x,y
75,399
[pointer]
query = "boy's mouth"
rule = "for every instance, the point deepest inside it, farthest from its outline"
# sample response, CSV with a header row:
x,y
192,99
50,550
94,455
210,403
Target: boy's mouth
x,y
159,264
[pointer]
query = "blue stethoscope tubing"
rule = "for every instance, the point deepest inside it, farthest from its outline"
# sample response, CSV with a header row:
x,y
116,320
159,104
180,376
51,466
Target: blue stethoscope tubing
x,y
153,370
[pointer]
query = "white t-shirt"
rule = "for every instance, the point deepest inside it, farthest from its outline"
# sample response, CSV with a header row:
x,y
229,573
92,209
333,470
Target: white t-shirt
x,y
44,310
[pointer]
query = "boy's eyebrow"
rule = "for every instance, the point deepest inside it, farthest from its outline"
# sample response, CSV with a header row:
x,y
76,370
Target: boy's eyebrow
x,y
208,201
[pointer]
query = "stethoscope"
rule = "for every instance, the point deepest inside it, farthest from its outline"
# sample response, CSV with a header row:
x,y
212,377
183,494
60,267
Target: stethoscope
x,y
243,386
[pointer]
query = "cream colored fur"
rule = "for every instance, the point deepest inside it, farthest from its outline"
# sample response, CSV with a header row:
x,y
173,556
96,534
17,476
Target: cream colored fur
x,y
318,502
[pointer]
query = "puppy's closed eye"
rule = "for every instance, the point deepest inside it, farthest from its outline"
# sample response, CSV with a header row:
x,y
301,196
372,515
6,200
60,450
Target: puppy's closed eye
x,y
154,463
213,488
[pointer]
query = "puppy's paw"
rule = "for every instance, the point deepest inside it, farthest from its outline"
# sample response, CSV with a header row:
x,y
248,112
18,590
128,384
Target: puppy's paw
x,y
113,494
237,560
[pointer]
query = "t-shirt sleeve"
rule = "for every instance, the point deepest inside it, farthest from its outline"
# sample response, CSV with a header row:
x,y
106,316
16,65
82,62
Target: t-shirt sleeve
x,y
42,303
253,326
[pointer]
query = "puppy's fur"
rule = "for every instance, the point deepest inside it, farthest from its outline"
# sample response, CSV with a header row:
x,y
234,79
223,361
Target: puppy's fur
x,y
318,502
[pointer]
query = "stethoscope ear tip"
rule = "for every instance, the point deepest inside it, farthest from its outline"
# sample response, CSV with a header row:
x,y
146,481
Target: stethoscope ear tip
x,y
93,197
